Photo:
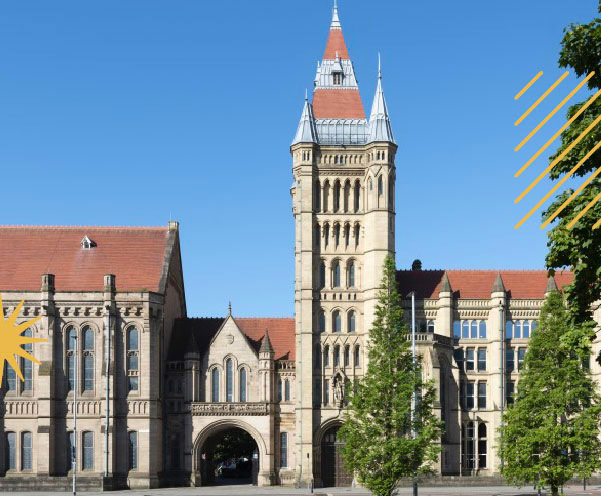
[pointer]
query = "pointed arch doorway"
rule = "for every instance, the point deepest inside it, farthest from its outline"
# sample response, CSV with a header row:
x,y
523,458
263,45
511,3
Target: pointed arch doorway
x,y
333,473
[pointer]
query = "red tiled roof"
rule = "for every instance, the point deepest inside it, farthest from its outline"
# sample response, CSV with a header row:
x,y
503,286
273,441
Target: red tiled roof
x,y
519,284
281,334
338,104
135,255
335,44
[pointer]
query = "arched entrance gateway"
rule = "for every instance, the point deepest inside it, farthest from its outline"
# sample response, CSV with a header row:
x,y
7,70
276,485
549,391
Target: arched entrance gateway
x,y
333,473
228,453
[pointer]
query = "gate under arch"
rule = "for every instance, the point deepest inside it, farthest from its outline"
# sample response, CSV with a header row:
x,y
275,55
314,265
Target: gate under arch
x,y
333,473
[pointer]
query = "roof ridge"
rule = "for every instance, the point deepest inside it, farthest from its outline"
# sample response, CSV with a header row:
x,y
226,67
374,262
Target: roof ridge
x,y
27,226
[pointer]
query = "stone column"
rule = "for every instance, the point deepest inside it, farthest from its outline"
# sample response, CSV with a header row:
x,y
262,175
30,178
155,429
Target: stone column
x,y
108,441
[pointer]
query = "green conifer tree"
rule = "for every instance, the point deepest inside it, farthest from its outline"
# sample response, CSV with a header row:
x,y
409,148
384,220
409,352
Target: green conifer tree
x,y
551,432
379,445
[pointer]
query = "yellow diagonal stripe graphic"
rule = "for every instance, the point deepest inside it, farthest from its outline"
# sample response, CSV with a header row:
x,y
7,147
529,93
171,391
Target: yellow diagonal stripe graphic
x,y
554,188
569,200
554,111
561,130
597,224
542,97
558,159
530,83
584,211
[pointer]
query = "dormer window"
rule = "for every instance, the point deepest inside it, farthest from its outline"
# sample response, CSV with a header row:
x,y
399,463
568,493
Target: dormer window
x,y
337,78
87,243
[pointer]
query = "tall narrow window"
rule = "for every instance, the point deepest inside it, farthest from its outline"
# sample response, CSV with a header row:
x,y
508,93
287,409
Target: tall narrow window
x,y
481,395
317,196
337,78
351,274
380,186
336,196
469,395
27,365
526,329
243,385
133,353
517,329
431,326
458,355
482,334
283,449
509,360
357,231
336,274
317,235
347,355
482,448
474,330
322,321
215,385
336,323
88,450
229,380
357,356
469,359
509,390
521,357
88,359
286,390
10,454
26,451
133,450
322,274
326,392
481,359
357,195
70,450
351,325
469,447
347,196
326,356
71,336
456,329
326,234
465,329
326,193
280,390
347,235
11,378
336,356
508,329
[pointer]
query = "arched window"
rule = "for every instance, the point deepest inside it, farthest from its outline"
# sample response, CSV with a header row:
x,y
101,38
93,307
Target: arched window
x,y
326,234
526,329
215,385
357,356
351,274
71,336
133,353
456,329
517,329
474,330
10,454
27,365
482,334
337,356
322,274
431,326
11,378
280,390
317,196
336,324
286,390
508,329
347,235
347,196
482,445
326,194
356,236
337,196
347,355
322,321
326,356
380,187
390,192
336,274
243,385
357,195
465,329
351,325
88,450
369,194
26,451
229,380
88,359
133,450
336,235
469,446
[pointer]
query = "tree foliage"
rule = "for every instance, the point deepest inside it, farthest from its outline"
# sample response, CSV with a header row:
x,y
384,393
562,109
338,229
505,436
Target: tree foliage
x,y
579,248
378,424
551,432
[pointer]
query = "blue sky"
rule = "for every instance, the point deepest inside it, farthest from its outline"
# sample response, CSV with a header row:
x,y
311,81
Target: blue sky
x,y
132,113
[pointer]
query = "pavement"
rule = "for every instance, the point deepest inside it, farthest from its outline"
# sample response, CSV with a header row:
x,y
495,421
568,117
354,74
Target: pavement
x,y
244,490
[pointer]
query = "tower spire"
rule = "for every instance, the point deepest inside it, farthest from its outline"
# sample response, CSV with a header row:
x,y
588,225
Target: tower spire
x,y
379,121
306,132
335,19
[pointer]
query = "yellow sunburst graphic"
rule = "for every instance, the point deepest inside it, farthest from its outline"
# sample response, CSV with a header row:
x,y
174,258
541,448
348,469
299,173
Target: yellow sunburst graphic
x,y
11,340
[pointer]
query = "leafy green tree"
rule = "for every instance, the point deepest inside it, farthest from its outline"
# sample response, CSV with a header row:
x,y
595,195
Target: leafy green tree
x,y
580,247
378,426
550,433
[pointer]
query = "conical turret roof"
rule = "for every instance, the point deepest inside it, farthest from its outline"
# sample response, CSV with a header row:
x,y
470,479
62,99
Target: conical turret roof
x,y
379,121
266,344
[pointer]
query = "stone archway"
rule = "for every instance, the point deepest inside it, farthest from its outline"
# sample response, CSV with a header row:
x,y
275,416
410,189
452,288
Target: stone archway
x,y
217,427
329,468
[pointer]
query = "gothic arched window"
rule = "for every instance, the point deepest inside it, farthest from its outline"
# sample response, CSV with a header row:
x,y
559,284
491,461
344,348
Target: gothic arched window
x,y
351,324
229,380
336,274
351,274
322,321
215,385
336,324
88,359
243,385
133,351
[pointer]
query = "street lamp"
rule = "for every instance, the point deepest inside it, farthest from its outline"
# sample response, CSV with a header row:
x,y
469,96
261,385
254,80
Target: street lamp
x,y
75,386
414,398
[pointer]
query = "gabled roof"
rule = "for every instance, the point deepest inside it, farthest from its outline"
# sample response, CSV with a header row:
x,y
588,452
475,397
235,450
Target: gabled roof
x,y
195,334
519,284
137,256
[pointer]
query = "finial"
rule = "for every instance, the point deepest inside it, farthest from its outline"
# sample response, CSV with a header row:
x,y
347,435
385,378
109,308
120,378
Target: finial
x,y
229,308
306,94
335,19
379,66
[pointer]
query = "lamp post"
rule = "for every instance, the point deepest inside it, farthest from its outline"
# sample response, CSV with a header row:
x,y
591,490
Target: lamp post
x,y
414,398
75,386
502,365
